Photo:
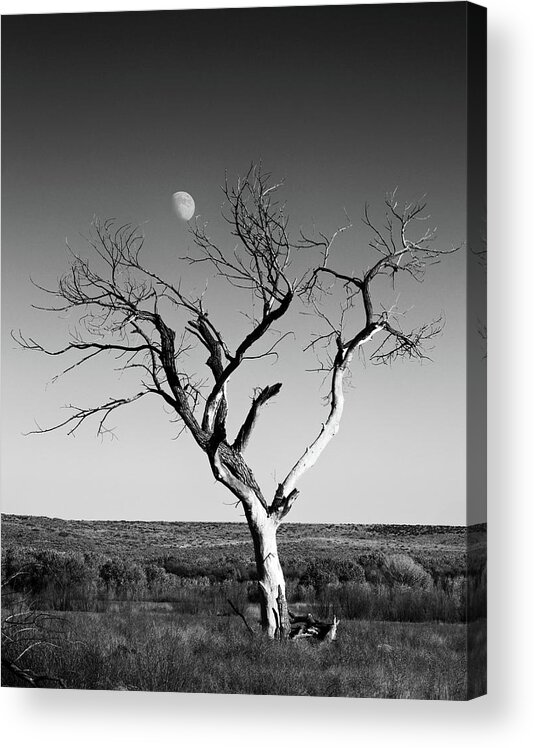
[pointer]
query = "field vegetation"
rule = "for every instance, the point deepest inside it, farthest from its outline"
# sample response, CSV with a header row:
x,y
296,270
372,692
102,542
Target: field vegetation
x,y
146,606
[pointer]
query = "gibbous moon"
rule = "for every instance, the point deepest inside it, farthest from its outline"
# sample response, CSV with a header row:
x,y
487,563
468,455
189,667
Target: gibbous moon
x,y
184,205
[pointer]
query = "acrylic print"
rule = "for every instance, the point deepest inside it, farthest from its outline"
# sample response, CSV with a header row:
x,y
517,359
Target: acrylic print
x,y
244,350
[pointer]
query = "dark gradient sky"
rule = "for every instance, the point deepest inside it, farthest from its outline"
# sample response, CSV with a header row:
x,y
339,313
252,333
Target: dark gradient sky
x,y
109,114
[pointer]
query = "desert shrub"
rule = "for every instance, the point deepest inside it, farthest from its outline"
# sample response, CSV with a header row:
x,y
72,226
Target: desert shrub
x,y
125,579
61,581
192,568
366,601
209,599
15,565
349,571
372,564
217,570
402,569
321,572
294,566
318,574
351,600
156,579
299,593
237,569
194,582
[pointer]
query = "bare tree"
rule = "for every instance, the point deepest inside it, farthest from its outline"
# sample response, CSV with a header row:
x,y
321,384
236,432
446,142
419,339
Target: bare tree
x,y
124,308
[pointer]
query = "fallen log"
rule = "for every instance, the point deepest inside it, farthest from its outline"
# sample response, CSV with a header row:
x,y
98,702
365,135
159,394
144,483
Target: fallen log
x,y
308,627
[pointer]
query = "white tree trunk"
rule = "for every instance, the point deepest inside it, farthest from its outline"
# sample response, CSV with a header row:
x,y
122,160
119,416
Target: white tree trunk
x,y
329,429
262,526
272,586
331,426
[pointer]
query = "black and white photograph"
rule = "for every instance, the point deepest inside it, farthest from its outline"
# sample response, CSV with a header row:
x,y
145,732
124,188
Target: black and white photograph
x,y
244,346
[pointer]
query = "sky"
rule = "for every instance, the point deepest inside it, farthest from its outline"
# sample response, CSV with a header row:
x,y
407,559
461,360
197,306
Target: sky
x,y
109,115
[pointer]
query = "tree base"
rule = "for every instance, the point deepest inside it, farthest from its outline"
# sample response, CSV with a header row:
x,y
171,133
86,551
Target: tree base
x,y
300,627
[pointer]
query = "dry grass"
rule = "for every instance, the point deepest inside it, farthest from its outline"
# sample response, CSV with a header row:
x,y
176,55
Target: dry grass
x,y
136,648
407,579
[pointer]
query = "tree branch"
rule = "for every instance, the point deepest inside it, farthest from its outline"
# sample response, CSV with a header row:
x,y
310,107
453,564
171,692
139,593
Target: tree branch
x,y
214,398
397,253
82,414
245,431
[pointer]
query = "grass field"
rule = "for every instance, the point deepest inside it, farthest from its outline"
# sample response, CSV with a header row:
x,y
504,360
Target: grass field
x,y
144,606
158,649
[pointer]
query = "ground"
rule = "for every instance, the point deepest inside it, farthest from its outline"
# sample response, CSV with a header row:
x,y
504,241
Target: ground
x,y
144,606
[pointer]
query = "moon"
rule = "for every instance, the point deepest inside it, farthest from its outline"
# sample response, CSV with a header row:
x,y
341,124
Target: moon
x,y
184,205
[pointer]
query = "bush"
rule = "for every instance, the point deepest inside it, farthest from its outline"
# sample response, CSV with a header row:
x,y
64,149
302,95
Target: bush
x,y
373,586
402,569
124,578
61,581
371,564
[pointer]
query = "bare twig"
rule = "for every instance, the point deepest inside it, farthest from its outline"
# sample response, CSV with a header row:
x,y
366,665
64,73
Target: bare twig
x,y
238,613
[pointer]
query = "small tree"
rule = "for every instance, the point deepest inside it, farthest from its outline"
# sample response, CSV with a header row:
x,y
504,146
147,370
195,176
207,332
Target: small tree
x,y
123,307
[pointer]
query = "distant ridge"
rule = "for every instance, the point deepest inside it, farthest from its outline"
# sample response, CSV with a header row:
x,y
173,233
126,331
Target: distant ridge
x,y
394,527
218,540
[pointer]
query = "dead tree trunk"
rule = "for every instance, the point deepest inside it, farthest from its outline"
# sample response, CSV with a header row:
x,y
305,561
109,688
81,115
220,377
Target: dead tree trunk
x,y
271,582
229,467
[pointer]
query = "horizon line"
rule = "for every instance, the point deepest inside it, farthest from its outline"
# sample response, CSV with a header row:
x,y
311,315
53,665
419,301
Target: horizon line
x,y
240,522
